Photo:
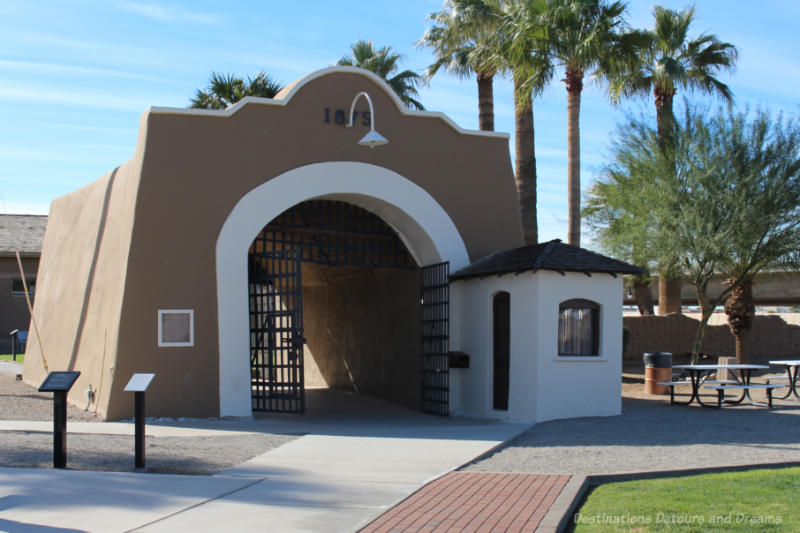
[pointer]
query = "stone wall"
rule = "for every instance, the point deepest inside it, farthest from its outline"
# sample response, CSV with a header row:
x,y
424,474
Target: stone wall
x,y
773,336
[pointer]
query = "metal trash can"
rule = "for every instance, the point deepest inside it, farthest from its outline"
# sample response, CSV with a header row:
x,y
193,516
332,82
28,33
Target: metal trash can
x,y
657,367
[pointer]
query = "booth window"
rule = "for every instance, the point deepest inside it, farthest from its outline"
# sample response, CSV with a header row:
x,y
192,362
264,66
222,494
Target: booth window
x,y
578,327
18,289
176,327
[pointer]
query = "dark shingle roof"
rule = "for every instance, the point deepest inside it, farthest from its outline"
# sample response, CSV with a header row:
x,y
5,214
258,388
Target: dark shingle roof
x,y
22,233
553,255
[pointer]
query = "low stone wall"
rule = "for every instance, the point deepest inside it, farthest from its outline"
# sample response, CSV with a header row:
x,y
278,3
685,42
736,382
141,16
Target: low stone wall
x,y
773,336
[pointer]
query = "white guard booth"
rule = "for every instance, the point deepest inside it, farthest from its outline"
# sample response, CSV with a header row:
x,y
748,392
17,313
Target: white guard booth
x,y
539,333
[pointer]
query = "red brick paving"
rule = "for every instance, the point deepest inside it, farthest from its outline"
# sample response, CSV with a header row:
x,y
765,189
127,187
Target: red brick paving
x,y
474,502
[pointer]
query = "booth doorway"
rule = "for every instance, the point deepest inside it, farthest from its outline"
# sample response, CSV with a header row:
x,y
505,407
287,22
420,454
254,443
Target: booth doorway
x,y
375,322
501,314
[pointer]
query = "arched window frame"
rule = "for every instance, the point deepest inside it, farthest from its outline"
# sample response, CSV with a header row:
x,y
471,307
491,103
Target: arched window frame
x,y
582,318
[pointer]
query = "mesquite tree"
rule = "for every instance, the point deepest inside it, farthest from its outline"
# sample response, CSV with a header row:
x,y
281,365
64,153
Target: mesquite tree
x,y
723,198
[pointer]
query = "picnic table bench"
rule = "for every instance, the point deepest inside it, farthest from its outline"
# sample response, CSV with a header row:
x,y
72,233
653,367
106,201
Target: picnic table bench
x,y
768,387
698,377
792,366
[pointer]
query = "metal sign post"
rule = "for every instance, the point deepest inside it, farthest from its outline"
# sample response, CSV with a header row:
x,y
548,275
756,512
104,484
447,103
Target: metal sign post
x,y
138,384
59,384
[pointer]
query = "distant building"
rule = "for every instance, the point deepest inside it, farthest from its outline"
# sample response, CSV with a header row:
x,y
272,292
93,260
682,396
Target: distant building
x,y
23,234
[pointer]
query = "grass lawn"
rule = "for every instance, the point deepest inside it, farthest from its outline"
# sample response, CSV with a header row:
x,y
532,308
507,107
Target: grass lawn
x,y
7,357
756,500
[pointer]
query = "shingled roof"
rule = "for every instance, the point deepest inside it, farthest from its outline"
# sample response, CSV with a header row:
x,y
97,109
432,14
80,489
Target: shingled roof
x,y
553,255
22,233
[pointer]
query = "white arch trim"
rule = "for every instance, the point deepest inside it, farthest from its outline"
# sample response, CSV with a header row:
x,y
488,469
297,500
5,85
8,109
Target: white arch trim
x,y
422,223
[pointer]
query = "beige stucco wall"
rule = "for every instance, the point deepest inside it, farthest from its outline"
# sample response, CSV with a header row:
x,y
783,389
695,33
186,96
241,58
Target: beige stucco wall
x,y
143,238
363,334
82,272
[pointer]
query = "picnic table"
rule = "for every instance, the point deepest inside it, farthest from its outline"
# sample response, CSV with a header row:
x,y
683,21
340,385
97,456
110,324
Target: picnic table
x,y
792,365
698,377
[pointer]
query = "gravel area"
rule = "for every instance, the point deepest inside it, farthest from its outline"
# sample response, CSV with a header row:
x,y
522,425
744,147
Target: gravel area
x,y
652,435
171,455
115,453
23,402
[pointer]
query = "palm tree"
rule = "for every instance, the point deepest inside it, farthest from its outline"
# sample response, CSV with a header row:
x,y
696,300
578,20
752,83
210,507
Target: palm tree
x,y
585,37
461,38
762,155
225,90
671,60
384,63
519,46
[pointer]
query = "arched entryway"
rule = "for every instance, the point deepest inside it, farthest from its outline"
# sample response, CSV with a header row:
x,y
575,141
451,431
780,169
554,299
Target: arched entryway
x,y
333,303
422,225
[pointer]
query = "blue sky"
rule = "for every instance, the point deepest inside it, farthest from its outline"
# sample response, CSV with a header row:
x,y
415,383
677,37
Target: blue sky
x,y
76,76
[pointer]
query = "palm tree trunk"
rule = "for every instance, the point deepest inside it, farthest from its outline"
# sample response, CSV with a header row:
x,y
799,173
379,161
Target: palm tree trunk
x,y
741,308
525,161
669,291
485,102
574,81
669,295
664,115
644,298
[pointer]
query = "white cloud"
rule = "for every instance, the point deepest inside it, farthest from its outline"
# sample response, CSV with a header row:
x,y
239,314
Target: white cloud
x,y
66,97
164,13
52,68
20,42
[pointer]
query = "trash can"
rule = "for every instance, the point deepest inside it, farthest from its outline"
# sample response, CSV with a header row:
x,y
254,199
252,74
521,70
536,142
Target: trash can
x,y
657,367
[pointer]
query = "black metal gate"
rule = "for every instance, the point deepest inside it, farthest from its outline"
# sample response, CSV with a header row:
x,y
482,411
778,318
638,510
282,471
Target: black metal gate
x,y
435,338
349,243
276,330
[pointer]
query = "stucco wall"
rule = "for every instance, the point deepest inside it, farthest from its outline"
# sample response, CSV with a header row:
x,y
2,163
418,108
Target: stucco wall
x,y
543,386
773,336
79,288
579,386
471,331
363,334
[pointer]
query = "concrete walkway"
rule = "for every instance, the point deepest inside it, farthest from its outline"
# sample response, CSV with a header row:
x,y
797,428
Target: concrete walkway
x,y
359,457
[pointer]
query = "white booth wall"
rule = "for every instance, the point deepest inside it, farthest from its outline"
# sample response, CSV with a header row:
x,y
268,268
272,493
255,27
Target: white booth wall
x,y
543,385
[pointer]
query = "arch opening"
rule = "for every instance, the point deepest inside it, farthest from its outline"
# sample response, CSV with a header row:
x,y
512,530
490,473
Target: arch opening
x,y
333,304
423,226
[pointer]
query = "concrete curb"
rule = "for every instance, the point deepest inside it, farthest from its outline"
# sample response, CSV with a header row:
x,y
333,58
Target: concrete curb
x,y
560,513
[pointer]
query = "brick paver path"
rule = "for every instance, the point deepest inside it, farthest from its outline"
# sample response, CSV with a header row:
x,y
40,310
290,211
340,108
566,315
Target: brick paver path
x,y
474,501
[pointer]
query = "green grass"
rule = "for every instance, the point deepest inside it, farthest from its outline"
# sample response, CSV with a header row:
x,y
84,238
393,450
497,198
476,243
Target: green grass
x,y
7,357
755,500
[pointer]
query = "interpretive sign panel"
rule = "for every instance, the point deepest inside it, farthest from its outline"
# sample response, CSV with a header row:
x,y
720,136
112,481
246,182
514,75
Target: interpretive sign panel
x,y
139,382
59,381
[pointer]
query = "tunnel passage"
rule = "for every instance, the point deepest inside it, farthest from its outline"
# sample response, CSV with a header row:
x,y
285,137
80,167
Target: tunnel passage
x,y
334,303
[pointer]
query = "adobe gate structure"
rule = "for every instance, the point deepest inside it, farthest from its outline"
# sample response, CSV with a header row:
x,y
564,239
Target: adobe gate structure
x,y
207,258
